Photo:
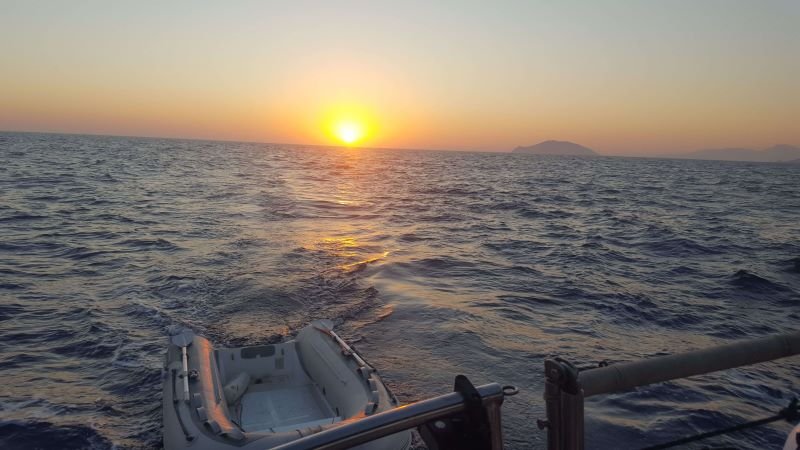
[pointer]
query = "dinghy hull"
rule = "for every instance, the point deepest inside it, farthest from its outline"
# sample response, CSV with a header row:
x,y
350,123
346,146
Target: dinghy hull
x,y
264,396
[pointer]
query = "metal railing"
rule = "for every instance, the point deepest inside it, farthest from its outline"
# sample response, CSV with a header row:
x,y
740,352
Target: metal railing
x,y
567,387
437,413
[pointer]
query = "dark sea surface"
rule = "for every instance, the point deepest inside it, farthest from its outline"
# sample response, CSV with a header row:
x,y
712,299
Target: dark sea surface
x,y
432,263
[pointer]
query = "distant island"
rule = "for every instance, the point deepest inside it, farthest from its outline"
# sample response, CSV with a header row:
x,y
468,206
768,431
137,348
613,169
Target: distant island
x,y
776,153
556,148
783,153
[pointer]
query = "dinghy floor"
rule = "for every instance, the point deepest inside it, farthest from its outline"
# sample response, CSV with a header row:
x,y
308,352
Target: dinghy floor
x,y
283,408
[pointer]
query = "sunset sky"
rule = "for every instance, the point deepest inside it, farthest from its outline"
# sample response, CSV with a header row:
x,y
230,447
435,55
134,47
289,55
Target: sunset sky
x,y
620,77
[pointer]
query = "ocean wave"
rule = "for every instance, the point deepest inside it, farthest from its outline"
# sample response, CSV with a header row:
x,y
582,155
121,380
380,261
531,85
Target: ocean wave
x,y
22,217
752,282
149,244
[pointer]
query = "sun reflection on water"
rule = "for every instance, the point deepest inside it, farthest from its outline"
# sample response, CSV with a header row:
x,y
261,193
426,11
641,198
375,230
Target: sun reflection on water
x,y
348,248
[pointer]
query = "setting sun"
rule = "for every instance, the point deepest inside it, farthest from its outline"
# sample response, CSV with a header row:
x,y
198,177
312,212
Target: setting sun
x,y
349,132
349,124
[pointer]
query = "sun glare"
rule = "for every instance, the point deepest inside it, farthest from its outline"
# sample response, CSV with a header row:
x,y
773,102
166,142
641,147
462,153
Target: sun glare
x,y
349,132
348,124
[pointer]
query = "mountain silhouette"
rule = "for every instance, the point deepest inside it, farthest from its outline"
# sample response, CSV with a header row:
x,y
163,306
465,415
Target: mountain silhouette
x,y
556,148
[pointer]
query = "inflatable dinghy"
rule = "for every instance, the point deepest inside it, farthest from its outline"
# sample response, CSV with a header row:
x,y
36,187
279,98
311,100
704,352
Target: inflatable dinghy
x,y
264,396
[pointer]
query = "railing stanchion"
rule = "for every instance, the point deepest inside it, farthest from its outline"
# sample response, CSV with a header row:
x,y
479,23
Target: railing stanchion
x,y
552,399
563,397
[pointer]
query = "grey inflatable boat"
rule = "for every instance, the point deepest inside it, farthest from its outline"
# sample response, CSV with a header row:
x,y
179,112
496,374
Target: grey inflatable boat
x,y
264,396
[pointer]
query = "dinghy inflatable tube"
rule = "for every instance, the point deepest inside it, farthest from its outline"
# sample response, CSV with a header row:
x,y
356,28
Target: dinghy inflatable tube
x,y
260,397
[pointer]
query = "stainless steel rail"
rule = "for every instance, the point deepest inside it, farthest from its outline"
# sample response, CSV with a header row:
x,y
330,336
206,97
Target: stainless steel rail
x,y
566,387
403,418
624,376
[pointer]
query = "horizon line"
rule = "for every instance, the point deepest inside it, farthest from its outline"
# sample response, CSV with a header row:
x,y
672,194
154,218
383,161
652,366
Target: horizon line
x,y
236,141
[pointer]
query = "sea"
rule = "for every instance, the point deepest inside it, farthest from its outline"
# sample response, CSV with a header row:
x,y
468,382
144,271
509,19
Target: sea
x,y
431,263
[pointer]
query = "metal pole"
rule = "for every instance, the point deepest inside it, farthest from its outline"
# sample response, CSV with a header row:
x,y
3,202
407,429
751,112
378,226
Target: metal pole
x,y
393,421
564,402
572,420
552,400
625,376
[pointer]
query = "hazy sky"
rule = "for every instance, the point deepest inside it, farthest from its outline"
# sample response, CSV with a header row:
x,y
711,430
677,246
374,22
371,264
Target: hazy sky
x,y
617,76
